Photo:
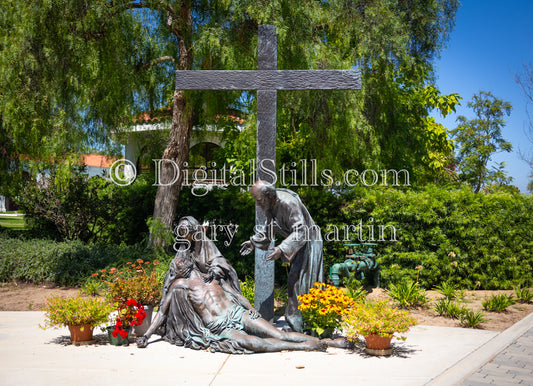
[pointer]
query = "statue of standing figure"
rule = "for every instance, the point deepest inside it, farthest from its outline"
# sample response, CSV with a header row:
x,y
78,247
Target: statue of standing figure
x,y
301,246
202,306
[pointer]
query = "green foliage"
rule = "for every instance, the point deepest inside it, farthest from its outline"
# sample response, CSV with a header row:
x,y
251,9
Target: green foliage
x,y
480,138
63,263
408,294
376,318
476,241
60,92
498,303
73,71
92,287
161,235
65,311
74,204
523,295
281,293
248,289
323,307
467,317
132,205
449,308
224,207
472,319
354,289
69,205
449,290
134,280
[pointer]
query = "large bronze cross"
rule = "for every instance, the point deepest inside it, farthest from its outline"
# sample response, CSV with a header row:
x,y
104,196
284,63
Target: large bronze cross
x,y
267,80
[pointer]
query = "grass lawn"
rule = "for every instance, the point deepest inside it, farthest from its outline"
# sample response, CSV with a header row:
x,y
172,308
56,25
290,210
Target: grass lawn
x,y
13,222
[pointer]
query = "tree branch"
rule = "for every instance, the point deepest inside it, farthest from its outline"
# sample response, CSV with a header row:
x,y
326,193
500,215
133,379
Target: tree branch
x,y
154,5
153,62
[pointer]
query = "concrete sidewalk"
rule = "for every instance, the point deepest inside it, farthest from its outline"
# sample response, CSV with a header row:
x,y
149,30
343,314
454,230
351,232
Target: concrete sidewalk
x,y
430,355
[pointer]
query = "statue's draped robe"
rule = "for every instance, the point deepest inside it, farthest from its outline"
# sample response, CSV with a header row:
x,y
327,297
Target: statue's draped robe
x,y
301,247
181,325
184,327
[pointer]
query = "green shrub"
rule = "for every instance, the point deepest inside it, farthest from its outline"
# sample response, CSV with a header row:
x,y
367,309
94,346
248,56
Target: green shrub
x,y
408,294
449,290
92,287
70,201
229,206
523,295
63,263
476,241
448,308
281,293
64,311
472,319
498,303
248,289
88,209
354,289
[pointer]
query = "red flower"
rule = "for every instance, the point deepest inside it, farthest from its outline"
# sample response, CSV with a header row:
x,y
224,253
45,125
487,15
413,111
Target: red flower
x,y
131,302
130,314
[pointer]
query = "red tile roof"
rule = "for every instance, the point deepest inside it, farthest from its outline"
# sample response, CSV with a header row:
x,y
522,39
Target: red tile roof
x,y
97,160
162,113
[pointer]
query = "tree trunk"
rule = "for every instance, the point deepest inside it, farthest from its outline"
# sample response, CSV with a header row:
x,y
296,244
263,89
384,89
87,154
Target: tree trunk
x,y
177,150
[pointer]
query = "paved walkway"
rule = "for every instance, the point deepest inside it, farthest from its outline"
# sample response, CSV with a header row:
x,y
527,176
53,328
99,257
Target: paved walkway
x,y
514,365
430,356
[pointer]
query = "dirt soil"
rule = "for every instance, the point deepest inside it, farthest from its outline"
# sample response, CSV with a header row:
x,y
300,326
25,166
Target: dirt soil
x,y
30,297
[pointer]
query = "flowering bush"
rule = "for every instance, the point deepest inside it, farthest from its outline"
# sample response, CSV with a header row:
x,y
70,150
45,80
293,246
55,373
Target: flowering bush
x,y
323,307
376,318
137,280
129,314
78,311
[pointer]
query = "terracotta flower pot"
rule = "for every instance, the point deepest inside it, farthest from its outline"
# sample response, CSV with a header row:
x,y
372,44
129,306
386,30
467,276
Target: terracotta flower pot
x,y
83,333
378,345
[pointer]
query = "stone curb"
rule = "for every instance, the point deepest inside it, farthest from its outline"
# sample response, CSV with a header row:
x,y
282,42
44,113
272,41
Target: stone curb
x,y
468,365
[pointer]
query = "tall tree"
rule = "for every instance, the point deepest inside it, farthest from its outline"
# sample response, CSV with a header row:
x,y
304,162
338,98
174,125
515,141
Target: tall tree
x,y
480,138
386,124
74,71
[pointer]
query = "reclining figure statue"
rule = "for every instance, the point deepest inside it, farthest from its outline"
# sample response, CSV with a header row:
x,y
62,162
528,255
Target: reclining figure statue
x,y
197,312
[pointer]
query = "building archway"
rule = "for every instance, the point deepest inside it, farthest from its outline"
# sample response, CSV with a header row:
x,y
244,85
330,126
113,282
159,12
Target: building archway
x,y
202,154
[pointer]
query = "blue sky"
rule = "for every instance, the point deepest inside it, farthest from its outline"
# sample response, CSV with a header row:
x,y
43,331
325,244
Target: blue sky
x,y
487,49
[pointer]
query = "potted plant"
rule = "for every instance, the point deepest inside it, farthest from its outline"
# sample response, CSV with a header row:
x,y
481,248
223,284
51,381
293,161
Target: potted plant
x,y
128,315
377,322
79,314
322,309
136,280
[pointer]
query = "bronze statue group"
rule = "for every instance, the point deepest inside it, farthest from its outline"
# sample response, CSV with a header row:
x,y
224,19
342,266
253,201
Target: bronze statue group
x,y
202,306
